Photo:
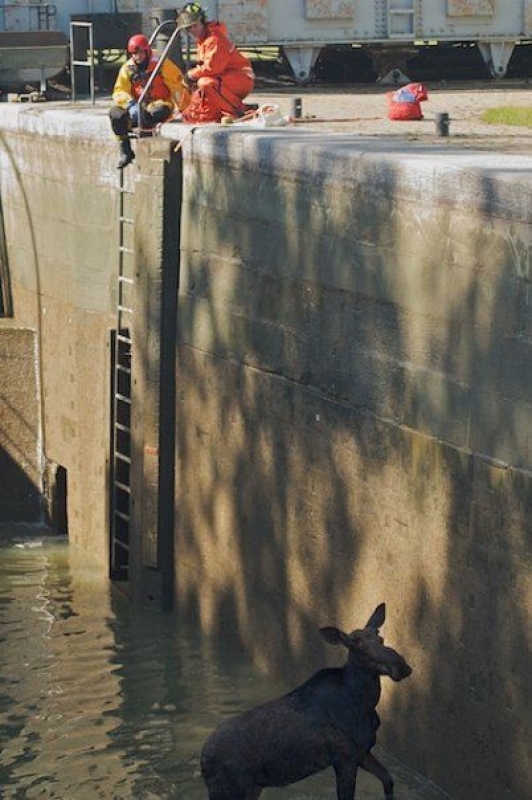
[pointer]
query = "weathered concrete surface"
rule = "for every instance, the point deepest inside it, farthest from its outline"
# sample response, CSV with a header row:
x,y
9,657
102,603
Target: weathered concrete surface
x,y
59,205
353,409
362,110
353,423
59,185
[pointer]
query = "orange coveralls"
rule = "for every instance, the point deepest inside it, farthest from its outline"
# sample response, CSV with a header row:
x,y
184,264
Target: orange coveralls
x,y
223,75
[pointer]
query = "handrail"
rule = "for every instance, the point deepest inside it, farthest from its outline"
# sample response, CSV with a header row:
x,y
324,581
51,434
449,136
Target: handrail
x,y
158,29
77,62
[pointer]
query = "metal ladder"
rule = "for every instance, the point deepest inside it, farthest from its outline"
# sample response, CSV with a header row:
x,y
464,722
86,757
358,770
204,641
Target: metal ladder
x,y
121,391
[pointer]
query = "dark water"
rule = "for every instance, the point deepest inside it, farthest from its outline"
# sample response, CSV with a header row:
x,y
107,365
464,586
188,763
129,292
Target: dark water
x,y
101,700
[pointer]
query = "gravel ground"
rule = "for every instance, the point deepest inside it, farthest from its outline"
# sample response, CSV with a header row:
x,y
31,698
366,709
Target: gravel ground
x,y
363,110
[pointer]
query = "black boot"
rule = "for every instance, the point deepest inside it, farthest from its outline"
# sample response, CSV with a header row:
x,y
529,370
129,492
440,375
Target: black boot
x,y
126,154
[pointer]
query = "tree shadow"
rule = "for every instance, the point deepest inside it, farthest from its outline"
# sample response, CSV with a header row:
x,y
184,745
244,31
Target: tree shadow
x,y
352,412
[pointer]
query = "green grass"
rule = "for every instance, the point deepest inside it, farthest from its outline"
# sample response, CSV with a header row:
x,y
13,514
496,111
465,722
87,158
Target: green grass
x,y
508,115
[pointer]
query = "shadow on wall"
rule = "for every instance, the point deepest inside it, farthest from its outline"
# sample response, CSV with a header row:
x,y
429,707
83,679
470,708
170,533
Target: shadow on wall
x,y
20,454
20,498
6,300
352,400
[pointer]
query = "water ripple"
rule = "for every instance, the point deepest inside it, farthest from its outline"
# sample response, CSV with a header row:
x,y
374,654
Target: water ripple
x,y
101,700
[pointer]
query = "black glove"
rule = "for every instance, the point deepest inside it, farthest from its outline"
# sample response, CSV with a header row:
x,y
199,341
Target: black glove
x,y
188,83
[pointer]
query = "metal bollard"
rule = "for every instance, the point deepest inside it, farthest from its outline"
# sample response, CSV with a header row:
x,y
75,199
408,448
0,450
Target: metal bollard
x,y
297,108
443,122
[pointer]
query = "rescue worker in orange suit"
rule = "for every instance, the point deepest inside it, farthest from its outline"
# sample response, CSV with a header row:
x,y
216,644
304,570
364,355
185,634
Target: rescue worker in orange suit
x,y
222,77
166,94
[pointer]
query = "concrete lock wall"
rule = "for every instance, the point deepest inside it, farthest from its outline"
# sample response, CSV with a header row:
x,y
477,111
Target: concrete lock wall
x,y
59,192
353,422
350,401
59,206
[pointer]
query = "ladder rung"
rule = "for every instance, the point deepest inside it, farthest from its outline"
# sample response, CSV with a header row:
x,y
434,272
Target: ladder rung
x,y
123,279
128,250
127,370
123,398
125,309
122,338
124,546
122,457
127,220
122,516
123,428
123,487
122,190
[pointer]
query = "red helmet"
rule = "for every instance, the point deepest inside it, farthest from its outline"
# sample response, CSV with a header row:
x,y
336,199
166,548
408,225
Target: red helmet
x,y
138,42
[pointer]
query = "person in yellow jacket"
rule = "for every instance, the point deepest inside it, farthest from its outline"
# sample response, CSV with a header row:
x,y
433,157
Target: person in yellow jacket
x,y
166,94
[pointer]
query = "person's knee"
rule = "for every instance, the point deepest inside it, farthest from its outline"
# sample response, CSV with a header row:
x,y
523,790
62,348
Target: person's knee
x,y
117,113
119,120
208,83
159,112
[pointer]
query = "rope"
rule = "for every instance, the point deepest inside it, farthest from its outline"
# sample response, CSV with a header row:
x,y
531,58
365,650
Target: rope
x,y
308,120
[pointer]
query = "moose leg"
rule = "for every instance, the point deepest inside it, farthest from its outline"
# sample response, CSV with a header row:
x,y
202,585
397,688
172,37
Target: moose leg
x,y
370,764
215,794
346,778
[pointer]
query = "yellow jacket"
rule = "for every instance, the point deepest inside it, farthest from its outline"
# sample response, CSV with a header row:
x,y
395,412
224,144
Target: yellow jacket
x,y
167,88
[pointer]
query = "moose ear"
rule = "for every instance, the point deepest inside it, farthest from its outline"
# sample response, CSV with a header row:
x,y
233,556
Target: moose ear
x,y
377,618
332,635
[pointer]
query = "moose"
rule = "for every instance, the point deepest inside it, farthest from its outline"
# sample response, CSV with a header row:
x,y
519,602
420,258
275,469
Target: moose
x,y
329,721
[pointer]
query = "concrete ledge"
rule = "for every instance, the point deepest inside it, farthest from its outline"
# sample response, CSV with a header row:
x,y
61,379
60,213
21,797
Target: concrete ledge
x,y
494,182
498,183
79,120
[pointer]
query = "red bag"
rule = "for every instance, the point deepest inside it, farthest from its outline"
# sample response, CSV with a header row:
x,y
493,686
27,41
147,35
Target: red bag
x,y
404,103
200,110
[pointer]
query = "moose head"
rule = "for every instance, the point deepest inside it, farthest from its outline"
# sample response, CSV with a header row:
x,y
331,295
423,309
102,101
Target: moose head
x,y
367,649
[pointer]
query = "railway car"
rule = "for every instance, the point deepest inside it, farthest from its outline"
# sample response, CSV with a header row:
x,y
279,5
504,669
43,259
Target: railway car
x,y
304,27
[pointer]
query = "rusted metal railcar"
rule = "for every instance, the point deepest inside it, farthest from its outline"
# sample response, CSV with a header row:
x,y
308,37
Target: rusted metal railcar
x,y
304,27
